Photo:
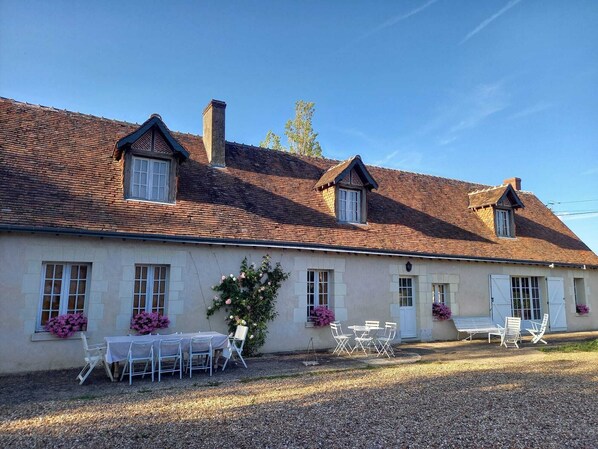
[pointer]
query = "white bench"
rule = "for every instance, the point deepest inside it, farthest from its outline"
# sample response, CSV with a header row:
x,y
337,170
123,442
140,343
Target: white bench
x,y
476,325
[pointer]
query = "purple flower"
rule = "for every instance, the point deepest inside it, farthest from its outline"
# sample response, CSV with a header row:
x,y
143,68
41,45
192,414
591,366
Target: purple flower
x,y
64,326
582,309
322,316
146,323
441,311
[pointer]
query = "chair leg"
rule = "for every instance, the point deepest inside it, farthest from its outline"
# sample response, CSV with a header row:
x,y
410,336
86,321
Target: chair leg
x,y
108,371
87,369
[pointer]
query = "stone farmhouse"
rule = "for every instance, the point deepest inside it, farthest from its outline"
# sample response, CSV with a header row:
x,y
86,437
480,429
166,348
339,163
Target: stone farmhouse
x,y
111,218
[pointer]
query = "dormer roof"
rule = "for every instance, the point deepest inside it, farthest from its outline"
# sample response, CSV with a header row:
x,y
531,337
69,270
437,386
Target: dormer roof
x,y
337,173
503,195
155,121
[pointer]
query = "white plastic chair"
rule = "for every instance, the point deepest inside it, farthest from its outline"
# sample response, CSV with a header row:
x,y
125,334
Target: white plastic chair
x,y
341,339
512,332
201,354
169,356
235,345
385,342
139,352
538,329
94,356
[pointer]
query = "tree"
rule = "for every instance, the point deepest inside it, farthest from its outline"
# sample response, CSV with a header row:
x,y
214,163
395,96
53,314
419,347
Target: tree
x,y
300,134
272,141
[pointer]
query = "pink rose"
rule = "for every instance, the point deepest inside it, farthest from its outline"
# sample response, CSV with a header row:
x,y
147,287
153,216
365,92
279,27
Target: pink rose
x,y
228,301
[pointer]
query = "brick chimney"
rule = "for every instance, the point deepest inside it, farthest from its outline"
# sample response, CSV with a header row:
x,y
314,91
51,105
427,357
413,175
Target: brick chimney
x,y
213,132
515,182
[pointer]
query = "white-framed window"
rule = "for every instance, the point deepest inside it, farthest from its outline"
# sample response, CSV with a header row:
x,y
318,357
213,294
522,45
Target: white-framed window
x,y
405,292
149,293
439,293
63,290
349,205
503,223
318,290
150,179
579,291
525,296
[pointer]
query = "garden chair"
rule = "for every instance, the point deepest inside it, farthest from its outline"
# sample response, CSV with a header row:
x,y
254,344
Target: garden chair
x,y
385,342
94,356
363,340
342,340
170,356
512,332
201,354
538,329
139,352
235,345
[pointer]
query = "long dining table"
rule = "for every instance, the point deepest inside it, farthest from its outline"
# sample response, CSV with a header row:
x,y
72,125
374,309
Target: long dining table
x,y
117,348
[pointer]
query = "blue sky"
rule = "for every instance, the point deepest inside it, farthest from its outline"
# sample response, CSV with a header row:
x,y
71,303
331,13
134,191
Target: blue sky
x,y
473,90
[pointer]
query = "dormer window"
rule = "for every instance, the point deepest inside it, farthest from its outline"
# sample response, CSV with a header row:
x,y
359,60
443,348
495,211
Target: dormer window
x,y
150,180
496,208
344,188
151,160
503,222
349,205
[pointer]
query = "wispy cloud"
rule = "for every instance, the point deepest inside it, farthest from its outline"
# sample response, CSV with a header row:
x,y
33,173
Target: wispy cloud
x,y
542,106
402,159
473,109
489,20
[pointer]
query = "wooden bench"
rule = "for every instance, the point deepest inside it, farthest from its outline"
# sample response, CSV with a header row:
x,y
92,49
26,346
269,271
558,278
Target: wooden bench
x,y
476,325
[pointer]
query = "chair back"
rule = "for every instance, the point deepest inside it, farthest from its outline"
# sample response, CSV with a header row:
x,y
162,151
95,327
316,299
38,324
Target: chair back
x,y
390,330
544,322
200,345
85,344
372,323
334,328
141,349
169,347
512,326
241,333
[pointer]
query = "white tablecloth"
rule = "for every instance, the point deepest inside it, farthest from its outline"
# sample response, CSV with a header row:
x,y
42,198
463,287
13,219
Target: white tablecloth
x,y
118,347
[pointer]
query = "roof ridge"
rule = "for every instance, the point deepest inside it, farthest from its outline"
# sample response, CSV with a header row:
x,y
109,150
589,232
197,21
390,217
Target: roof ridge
x,y
487,189
82,114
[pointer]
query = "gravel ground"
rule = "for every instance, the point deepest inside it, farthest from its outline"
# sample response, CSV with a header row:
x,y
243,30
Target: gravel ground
x,y
493,398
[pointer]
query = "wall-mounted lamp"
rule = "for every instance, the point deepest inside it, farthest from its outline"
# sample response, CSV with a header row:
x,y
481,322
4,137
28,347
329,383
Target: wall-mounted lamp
x,y
583,268
408,267
551,265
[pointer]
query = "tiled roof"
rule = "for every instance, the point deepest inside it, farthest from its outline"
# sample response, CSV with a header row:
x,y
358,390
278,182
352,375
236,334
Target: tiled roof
x,y
57,171
491,196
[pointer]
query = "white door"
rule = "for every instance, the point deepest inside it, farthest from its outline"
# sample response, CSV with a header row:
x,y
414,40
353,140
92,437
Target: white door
x,y
556,304
500,297
407,314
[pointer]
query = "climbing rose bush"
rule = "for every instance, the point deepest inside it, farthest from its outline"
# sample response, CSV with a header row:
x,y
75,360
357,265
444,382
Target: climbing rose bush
x,y
64,326
322,316
249,299
441,312
146,323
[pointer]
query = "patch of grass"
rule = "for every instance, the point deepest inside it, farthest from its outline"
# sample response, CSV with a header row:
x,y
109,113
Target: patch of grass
x,y
582,346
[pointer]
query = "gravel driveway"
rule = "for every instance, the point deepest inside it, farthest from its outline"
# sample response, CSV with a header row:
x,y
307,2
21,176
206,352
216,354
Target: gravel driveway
x,y
523,398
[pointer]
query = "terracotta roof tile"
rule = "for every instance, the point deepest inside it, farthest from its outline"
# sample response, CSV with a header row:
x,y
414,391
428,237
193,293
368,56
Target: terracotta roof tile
x,y
57,171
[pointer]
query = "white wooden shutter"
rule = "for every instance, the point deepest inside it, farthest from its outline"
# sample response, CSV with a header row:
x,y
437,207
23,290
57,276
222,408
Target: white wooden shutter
x,y
556,304
500,297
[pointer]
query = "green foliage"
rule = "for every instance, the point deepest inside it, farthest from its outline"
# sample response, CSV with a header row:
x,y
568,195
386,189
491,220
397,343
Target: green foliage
x,y
272,141
583,346
300,134
249,299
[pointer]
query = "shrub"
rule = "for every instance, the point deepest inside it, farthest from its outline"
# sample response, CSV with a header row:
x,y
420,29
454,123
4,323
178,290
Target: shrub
x,y
146,323
64,326
441,311
322,316
249,299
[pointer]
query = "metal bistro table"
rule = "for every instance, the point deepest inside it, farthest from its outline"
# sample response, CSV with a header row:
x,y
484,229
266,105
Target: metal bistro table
x,y
365,334
117,348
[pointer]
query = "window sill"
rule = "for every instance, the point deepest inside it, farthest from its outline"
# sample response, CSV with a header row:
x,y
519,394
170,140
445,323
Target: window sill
x,y
583,314
139,200
506,237
47,336
309,324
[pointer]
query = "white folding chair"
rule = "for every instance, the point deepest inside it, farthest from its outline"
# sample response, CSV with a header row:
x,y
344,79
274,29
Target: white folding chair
x,y
538,329
201,354
385,342
170,356
363,339
94,356
342,340
372,323
139,352
235,345
512,332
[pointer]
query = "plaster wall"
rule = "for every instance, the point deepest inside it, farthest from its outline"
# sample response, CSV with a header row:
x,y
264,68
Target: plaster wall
x,y
362,287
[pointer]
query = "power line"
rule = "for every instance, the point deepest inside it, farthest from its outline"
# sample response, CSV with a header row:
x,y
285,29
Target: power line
x,y
567,214
550,203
